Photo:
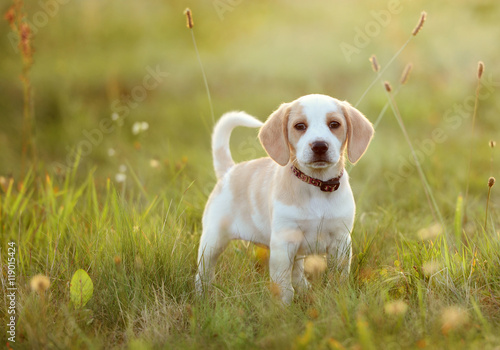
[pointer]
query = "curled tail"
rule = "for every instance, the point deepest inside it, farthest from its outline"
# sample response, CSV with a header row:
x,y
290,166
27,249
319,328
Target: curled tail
x,y
220,138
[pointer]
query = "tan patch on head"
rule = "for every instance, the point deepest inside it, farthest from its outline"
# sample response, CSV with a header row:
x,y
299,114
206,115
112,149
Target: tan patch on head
x,y
341,131
296,116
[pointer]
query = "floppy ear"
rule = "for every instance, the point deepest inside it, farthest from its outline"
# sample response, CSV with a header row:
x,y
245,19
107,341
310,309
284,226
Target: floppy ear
x,y
359,132
274,135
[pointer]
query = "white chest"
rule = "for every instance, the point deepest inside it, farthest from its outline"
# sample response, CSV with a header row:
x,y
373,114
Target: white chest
x,y
316,223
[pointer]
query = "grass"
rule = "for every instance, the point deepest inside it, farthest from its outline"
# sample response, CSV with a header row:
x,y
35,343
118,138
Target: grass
x,y
140,252
414,282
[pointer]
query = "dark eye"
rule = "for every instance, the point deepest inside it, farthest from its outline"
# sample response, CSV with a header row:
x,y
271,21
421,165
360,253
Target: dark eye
x,y
300,126
334,125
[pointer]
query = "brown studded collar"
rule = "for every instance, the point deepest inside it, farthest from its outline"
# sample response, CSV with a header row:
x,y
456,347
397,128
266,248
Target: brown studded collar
x,y
325,186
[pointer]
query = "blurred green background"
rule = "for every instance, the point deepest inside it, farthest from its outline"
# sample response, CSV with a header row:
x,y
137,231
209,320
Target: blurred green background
x,y
256,54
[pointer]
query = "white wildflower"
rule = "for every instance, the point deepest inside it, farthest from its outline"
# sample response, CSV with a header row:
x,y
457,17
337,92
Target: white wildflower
x,y
315,265
430,232
120,177
453,317
154,163
139,127
395,307
431,267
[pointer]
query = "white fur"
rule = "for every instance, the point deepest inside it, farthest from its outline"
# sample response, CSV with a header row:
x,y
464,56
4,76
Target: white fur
x,y
263,202
222,132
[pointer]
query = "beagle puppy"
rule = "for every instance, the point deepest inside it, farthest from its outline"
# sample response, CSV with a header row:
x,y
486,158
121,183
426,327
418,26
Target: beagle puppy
x,y
298,200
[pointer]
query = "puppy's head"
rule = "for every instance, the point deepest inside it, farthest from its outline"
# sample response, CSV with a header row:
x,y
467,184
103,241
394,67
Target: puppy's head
x,y
314,130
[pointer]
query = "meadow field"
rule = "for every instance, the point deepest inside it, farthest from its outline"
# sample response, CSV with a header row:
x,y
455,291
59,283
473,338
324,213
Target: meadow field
x,y
105,167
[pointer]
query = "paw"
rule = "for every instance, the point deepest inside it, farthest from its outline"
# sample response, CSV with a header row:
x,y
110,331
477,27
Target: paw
x,y
303,285
198,283
284,293
287,295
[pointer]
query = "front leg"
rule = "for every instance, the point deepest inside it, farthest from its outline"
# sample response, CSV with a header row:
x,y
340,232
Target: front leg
x,y
340,254
281,261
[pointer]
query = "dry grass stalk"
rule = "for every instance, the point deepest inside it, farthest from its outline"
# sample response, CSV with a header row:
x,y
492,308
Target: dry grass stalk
x,y
478,86
190,25
427,189
404,79
189,18
480,69
375,65
387,86
492,146
406,73
16,17
491,182
423,17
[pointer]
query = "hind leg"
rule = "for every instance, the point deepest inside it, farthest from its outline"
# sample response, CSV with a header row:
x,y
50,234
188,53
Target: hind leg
x,y
340,255
212,244
299,280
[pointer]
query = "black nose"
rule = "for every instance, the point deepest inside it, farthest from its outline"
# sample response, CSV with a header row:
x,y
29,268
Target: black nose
x,y
319,147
